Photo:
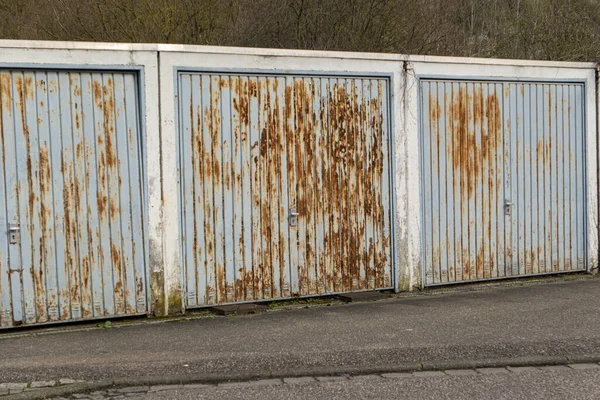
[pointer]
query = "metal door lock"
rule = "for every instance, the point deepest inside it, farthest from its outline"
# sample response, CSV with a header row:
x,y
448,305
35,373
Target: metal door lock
x,y
13,233
293,217
507,207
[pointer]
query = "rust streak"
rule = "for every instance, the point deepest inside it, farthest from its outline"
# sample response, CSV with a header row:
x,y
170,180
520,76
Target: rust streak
x,y
98,94
109,125
29,86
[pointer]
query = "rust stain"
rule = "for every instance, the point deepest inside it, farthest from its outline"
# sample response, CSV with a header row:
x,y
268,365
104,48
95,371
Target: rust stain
x,y
435,109
221,282
102,203
115,256
266,156
87,310
139,287
38,267
253,88
45,176
540,150
29,86
240,102
98,99
109,125
114,209
465,148
6,92
70,202
52,86
467,156
45,216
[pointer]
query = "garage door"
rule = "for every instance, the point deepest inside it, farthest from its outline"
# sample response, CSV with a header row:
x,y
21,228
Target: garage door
x,y
71,212
285,186
503,179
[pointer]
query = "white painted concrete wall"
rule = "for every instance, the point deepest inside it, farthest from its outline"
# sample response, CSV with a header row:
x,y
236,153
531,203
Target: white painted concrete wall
x,y
160,63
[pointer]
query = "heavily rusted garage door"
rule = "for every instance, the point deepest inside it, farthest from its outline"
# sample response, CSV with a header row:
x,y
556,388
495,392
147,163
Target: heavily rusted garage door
x,y
72,243
285,186
503,179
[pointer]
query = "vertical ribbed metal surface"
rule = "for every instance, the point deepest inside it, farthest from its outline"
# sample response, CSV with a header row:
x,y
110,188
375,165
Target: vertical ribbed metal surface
x,y
252,148
503,177
71,180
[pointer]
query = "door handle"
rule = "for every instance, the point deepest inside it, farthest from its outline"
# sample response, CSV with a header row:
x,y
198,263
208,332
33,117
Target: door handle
x,y
293,217
508,207
13,233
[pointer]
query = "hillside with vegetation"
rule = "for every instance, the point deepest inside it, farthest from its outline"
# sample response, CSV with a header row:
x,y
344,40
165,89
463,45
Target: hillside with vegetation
x,y
533,29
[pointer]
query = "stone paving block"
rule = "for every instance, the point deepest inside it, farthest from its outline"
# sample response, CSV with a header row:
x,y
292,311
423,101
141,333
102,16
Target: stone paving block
x,y
68,381
13,386
522,369
366,377
428,374
396,375
3,392
197,386
265,382
15,391
301,379
584,366
489,371
554,368
133,389
80,396
460,372
232,384
42,384
331,378
162,388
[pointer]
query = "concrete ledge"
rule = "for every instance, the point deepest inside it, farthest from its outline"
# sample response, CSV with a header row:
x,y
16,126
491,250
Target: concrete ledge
x,y
238,309
361,296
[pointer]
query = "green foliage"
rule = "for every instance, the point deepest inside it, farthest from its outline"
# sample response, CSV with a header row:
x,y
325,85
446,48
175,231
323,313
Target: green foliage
x,y
538,29
105,325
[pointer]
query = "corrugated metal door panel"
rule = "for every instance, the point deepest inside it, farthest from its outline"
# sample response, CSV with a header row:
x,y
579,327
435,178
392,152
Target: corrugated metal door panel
x,y
503,172
255,150
71,167
8,186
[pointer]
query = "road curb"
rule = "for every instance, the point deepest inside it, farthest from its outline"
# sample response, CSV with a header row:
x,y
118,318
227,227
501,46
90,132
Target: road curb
x,y
87,387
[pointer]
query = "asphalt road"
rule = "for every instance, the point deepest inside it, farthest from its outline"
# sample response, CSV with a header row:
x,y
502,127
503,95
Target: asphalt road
x,y
527,385
559,319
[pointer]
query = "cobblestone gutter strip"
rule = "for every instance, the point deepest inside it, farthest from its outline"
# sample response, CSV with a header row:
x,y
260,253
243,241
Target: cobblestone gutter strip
x,y
120,388
122,393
